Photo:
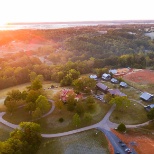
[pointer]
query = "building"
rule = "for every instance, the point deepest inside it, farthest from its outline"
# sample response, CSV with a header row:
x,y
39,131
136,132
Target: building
x,y
146,96
101,87
113,71
149,107
113,80
106,77
123,84
117,92
66,92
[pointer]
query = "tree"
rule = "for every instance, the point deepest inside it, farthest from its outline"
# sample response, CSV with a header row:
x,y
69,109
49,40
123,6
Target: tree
x,y
37,113
80,109
151,114
121,127
42,103
84,84
121,102
87,117
29,135
108,97
11,105
74,74
15,94
67,80
59,104
71,103
23,140
90,100
76,120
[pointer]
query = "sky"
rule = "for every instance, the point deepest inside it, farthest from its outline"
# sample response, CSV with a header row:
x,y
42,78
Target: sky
x,y
74,10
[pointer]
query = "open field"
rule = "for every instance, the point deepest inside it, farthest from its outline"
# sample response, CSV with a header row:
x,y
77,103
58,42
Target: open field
x,y
143,141
134,114
46,85
141,79
50,124
87,142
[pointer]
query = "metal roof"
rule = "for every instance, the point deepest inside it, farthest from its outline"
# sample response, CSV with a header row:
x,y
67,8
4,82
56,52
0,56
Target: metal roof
x,y
101,86
146,96
113,71
116,92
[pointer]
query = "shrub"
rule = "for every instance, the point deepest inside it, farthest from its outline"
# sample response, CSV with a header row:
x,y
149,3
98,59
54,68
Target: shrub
x,y
61,119
121,127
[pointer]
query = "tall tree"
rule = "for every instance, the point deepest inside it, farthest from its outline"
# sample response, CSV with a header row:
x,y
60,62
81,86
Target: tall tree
x,y
42,103
121,102
76,120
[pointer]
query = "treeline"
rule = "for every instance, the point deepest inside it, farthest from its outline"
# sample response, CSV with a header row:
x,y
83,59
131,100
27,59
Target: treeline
x,y
18,71
75,51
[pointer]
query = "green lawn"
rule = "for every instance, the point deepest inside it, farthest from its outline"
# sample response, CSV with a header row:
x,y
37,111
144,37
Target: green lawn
x,y
87,142
18,116
4,132
50,124
134,114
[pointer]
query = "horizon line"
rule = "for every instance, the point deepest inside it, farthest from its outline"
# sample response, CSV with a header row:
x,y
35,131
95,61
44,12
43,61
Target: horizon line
x,y
94,21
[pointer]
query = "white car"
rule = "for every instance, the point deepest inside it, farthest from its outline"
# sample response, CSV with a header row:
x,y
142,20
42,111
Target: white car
x,y
127,149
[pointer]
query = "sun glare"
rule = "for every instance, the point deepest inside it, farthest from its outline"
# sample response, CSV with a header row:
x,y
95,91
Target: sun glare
x,y
2,23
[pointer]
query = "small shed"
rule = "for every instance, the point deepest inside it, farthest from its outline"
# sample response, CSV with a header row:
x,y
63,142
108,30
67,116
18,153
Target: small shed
x,y
106,76
123,84
146,96
113,71
149,107
113,80
101,87
117,92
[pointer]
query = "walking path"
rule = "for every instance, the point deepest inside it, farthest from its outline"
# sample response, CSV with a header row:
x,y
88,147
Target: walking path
x,y
16,126
105,123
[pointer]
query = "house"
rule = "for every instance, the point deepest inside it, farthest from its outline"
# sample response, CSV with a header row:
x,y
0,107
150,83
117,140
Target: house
x,y
123,84
113,80
113,71
106,76
101,87
117,92
65,94
149,107
146,96
93,77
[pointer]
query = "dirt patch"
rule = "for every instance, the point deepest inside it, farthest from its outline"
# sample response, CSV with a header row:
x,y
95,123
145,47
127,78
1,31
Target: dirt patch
x,y
141,143
140,76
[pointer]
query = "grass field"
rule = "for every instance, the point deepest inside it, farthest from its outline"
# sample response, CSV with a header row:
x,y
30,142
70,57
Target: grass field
x,y
4,132
50,124
87,142
134,114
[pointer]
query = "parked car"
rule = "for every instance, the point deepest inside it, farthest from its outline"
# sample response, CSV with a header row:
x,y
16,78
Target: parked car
x,y
123,145
127,149
119,141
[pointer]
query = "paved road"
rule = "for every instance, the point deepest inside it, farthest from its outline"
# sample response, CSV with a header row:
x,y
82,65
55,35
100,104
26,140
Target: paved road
x,y
114,140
